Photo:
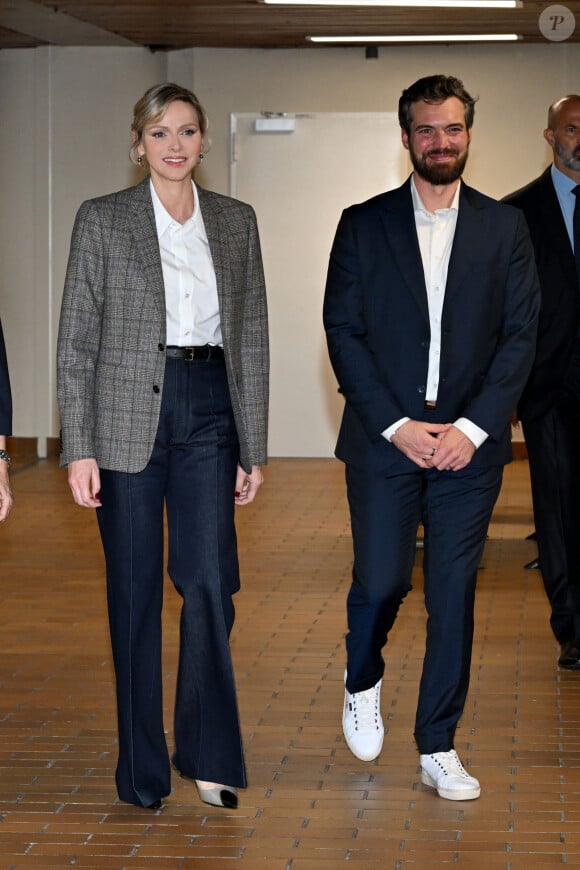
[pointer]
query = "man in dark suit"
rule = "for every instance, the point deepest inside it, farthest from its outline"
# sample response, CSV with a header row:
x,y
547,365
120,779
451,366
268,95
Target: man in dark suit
x,y
550,405
430,312
5,429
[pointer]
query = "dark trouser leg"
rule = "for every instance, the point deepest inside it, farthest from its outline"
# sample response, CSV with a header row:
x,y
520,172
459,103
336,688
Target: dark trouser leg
x,y
131,525
456,514
195,413
552,444
385,514
203,565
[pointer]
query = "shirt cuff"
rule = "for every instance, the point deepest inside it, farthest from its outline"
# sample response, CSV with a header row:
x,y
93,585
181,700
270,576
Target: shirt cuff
x,y
388,433
473,432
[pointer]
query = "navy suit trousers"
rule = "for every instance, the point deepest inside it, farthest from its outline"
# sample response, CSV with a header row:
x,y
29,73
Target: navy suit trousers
x,y
192,473
552,441
455,509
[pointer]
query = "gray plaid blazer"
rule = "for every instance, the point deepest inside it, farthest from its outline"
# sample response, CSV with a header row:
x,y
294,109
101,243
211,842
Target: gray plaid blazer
x,y
112,334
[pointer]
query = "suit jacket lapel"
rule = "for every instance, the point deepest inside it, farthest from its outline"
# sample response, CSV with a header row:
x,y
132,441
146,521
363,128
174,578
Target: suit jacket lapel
x,y
144,231
554,223
470,233
401,235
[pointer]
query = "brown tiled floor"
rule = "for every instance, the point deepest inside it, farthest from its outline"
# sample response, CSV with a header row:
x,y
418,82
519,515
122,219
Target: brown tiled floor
x,y
310,804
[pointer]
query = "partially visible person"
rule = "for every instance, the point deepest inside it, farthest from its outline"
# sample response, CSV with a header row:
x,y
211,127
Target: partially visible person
x,y
430,312
163,394
549,408
6,499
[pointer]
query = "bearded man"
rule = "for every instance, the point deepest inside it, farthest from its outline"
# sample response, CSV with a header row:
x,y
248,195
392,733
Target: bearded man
x,y
430,312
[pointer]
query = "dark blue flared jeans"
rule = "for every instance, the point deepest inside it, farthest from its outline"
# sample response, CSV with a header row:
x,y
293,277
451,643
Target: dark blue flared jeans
x,y
191,474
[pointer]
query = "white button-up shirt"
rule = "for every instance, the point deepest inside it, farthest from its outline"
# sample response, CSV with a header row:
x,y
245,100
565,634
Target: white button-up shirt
x,y
435,232
191,299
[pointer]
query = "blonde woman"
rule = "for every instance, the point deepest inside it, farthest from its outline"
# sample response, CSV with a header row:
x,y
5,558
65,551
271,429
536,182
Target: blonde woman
x,y
163,392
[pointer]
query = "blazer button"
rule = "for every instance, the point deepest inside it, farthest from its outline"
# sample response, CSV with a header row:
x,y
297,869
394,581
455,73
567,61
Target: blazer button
x,y
160,346
155,388
421,390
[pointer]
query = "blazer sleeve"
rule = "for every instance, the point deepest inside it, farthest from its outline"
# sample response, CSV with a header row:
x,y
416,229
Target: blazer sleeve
x,y
79,336
255,352
5,393
514,354
243,308
346,324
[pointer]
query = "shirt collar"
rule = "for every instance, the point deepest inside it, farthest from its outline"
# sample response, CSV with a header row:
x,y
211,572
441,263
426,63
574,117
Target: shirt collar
x,y
418,202
562,182
163,219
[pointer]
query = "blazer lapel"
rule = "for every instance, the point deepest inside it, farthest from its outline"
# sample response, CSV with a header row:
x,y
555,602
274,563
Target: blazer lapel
x,y
401,235
555,226
144,231
470,234
211,213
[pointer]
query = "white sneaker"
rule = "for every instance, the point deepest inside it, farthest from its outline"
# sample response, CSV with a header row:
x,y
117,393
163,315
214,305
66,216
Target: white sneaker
x,y
362,724
445,772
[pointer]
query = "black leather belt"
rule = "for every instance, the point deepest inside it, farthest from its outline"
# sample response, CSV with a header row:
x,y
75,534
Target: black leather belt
x,y
205,351
430,406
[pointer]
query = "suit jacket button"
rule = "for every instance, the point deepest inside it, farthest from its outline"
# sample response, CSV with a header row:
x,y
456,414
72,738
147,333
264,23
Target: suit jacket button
x,y
160,346
155,388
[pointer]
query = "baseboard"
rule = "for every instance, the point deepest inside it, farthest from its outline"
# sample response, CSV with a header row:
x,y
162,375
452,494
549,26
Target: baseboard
x,y
26,449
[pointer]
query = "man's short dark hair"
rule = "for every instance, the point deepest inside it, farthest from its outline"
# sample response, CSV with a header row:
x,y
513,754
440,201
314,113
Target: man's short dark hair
x,y
435,89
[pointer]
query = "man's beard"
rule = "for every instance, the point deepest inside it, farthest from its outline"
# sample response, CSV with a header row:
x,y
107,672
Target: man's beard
x,y
439,173
570,161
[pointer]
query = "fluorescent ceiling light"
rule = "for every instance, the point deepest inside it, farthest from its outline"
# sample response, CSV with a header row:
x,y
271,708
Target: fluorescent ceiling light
x,y
436,37
461,4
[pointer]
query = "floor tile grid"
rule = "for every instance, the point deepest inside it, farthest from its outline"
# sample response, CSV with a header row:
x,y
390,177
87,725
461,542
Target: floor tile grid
x,y
310,804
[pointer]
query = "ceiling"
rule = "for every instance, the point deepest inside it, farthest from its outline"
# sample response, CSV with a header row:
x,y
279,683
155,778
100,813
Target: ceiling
x,y
178,24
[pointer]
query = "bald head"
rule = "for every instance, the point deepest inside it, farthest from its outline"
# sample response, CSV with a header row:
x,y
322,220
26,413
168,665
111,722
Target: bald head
x,y
555,108
563,135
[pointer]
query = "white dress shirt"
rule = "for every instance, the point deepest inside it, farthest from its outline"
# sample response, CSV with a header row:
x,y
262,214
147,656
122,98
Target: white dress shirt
x,y
435,232
191,299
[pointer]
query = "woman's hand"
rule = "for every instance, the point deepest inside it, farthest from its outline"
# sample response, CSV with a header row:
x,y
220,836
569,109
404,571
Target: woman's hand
x,y
248,484
85,482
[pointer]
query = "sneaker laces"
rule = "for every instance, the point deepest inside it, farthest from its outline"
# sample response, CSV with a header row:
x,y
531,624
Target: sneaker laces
x,y
450,763
365,707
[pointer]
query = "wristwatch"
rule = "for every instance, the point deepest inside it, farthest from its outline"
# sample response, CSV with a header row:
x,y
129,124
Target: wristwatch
x,y
6,457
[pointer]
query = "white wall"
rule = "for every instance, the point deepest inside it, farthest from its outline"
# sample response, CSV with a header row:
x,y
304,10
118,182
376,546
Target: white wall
x,y
66,113
515,85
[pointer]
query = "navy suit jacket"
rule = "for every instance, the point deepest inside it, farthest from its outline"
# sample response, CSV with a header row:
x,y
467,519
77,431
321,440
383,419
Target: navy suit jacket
x,y
559,313
377,324
5,394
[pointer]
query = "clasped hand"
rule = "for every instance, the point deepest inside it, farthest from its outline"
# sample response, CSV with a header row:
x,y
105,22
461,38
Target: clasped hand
x,y
434,445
